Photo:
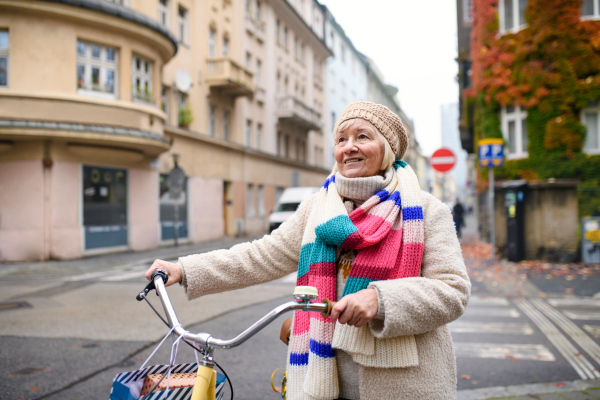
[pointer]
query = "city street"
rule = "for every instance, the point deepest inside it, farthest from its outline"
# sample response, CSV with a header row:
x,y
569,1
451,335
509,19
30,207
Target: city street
x,y
66,333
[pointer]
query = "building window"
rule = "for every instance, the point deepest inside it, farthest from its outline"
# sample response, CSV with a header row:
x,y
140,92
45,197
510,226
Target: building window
x,y
511,15
286,146
258,135
258,72
4,58
467,7
164,102
212,120
302,52
183,111
163,12
248,132
297,149
141,79
96,70
168,219
182,24
248,60
285,37
303,151
589,9
589,118
296,47
343,51
250,201
225,46
260,199
279,143
212,43
257,16
277,29
514,129
225,124
247,6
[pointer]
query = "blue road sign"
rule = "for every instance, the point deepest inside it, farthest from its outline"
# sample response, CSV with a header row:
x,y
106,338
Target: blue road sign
x,y
491,153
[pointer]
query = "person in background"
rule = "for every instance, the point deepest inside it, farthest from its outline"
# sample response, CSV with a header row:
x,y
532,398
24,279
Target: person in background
x,y
458,213
371,239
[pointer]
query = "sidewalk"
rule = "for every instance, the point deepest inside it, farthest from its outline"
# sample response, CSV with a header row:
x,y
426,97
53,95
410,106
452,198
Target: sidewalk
x,y
576,390
44,269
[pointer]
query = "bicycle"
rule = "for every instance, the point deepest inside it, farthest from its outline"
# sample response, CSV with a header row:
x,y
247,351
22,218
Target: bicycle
x,y
205,344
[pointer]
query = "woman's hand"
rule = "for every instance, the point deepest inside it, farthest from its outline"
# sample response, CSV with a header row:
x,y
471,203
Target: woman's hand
x,y
356,309
173,270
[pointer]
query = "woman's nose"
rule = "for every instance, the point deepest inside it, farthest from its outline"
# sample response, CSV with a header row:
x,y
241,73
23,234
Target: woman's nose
x,y
350,145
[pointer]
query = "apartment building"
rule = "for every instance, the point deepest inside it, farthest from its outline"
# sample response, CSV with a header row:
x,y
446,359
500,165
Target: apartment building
x,y
98,100
346,76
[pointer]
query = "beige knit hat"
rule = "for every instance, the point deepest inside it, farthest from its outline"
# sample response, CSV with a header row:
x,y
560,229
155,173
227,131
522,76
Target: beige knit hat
x,y
388,123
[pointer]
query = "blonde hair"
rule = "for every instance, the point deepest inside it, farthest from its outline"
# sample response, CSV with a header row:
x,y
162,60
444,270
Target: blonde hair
x,y
388,153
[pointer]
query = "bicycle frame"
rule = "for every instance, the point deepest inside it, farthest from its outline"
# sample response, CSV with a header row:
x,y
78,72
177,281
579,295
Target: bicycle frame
x,y
204,387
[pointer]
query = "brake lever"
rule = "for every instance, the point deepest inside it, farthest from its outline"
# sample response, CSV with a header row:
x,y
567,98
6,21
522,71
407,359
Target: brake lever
x,y
150,286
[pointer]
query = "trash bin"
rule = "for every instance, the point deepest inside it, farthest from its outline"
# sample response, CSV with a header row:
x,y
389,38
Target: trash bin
x,y
590,240
514,205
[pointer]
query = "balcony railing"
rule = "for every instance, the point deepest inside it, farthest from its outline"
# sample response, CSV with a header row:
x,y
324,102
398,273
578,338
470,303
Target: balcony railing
x,y
291,109
255,27
142,96
224,74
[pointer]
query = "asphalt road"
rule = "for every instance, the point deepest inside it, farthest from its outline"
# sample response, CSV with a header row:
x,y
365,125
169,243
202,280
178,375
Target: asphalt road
x,y
67,337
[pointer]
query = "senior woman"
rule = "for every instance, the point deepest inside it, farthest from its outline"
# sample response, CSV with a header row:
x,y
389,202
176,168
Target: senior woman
x,y
385,249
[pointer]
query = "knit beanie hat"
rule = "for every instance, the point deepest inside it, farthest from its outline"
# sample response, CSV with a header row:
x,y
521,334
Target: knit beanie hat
x,y
386,122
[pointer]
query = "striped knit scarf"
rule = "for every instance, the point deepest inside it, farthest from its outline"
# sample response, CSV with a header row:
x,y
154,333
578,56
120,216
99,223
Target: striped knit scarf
x,y
388,229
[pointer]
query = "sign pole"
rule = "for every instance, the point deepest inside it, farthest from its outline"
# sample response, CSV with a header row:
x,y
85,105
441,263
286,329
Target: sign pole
x,y
491,207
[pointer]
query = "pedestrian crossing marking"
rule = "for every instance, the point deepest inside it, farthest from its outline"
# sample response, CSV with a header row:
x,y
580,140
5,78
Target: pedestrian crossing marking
x,y
593,330
582,315
493,312
580,364
578,336
491,301
490,327
574,302
536,352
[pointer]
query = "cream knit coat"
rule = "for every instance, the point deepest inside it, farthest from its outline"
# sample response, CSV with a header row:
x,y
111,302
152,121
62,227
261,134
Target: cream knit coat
x,y
419,306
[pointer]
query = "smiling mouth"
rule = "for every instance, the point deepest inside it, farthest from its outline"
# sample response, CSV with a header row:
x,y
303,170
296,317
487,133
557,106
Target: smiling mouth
x,y
352,160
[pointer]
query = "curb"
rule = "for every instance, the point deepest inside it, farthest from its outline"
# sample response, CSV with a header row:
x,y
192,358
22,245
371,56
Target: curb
x,y
523,390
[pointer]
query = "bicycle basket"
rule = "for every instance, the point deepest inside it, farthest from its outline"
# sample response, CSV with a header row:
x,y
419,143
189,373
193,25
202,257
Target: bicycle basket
x,y
128,385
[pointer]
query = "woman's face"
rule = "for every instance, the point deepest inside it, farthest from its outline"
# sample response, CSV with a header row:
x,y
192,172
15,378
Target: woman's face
x,y
358,150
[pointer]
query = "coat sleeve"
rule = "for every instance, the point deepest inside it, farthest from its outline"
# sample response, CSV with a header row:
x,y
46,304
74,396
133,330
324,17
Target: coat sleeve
x,y
246,264
418,305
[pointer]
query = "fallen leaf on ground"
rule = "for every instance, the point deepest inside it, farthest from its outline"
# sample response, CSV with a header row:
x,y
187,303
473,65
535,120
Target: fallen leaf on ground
x,y
559,384
34,388
466,376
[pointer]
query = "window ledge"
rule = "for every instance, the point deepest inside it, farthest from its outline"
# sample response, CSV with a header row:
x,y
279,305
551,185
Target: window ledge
x,y
517,156
592,152
100,95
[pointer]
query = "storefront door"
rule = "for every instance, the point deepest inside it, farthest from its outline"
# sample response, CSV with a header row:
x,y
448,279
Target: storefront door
x,y
104,207
167,211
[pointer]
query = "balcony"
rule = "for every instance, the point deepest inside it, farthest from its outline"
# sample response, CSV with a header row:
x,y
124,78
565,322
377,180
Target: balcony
x,y
228,77
293,110
318,81
254,27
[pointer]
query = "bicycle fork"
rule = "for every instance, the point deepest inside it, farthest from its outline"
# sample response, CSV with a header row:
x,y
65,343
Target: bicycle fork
x,y
206,381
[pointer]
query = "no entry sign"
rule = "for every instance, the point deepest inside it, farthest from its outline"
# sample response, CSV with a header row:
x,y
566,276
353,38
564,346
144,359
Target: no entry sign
x,y
443,160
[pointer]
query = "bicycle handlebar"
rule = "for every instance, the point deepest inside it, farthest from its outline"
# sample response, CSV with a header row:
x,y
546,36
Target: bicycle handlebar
x,y
205,339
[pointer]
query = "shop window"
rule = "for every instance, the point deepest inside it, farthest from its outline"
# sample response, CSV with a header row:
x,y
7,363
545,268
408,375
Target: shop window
x,y
590,118
511,15
163,12
141,79
3,58
104,207
168,212
514,129
97,67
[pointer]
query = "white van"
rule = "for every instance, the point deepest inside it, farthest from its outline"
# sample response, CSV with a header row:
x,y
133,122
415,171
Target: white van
x,y
288,203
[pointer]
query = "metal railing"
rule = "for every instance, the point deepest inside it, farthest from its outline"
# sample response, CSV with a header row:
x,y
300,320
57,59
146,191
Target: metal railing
x,y
290,106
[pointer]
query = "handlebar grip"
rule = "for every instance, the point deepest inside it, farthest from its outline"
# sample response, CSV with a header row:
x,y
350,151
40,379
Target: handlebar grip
x,y
330,304
160,272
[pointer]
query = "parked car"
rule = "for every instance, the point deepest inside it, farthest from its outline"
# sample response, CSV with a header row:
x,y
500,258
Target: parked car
x,y
288,203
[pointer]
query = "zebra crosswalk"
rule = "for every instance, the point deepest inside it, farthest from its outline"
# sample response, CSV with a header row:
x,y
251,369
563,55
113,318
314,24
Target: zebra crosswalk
x,y
532,330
